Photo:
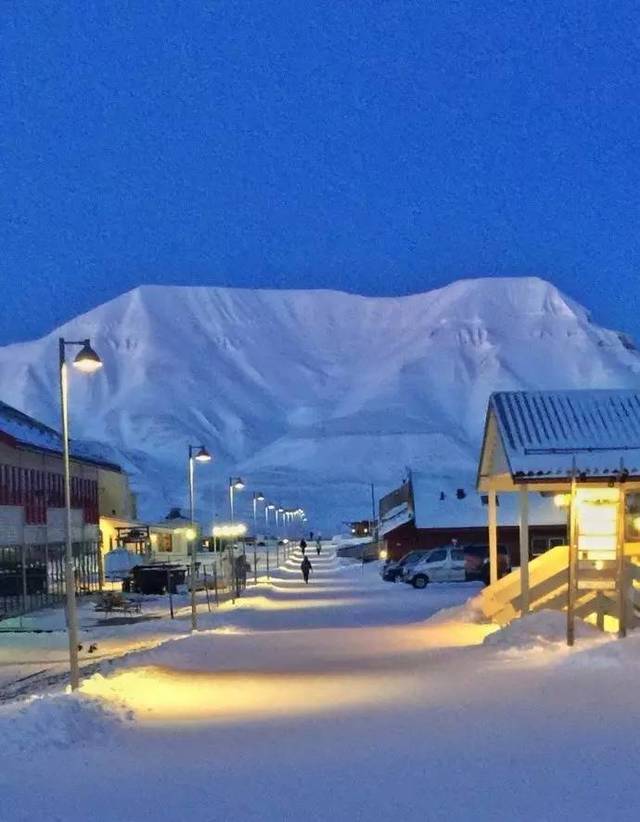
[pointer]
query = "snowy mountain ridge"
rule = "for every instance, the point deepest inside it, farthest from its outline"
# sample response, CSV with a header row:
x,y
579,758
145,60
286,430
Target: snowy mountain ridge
x,y
311,395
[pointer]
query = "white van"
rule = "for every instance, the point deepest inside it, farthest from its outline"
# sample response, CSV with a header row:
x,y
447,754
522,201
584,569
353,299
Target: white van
x,y
439,565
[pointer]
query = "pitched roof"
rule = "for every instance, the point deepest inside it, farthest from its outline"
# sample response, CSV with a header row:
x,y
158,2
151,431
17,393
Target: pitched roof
x,y
544,433
431,511
30,433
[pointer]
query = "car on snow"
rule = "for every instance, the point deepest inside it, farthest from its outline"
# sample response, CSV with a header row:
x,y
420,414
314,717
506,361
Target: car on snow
x,y
392,570
452,563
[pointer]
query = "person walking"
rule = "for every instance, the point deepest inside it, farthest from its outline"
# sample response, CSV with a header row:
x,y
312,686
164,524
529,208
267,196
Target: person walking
x,y
303,546
318,546
305,567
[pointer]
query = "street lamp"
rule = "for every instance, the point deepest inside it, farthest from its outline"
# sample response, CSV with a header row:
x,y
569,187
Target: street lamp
x,y
235,484
197,453
87,361
257,497
267,508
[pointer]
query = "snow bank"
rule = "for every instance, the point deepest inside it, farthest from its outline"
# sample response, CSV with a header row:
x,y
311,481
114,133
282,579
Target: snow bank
x,y
469,612
543,629
61,721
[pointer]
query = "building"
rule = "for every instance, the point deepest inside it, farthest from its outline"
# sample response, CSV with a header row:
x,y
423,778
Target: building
x,y
582,448
33,517
32,485
427,511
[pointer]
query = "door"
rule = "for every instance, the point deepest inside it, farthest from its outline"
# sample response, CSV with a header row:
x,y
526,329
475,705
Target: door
x,y
436,565
456,565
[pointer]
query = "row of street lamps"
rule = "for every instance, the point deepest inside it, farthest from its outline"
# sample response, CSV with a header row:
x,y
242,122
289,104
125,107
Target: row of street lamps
x,y
88,361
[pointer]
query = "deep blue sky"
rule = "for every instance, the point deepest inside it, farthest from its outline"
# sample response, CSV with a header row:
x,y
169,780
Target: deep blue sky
x,y
380,147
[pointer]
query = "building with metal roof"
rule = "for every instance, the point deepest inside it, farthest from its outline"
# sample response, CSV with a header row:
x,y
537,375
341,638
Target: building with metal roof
x,y
583,449
545,436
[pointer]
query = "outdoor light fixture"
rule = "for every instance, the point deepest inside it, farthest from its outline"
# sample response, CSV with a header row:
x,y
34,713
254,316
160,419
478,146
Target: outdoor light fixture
x,y
203,455
88,362
86,359
235,484
257,497
231,531
197,453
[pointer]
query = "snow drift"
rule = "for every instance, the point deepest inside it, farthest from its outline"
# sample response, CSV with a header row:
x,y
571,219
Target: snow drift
x,y
310,395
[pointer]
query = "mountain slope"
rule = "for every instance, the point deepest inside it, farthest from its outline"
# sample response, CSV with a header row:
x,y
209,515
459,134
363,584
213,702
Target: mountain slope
x,y
311,395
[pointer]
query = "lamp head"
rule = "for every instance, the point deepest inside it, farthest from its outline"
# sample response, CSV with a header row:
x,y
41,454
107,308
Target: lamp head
x,y
86,359
271,506
260,496
237,484
203,455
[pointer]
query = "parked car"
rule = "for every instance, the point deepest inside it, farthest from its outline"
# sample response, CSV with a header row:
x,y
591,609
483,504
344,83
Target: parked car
x,y
392,570
438,565
476,559
452,563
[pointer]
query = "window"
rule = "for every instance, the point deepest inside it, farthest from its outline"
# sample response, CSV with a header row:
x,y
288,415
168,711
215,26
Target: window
x,y
457,555
437,556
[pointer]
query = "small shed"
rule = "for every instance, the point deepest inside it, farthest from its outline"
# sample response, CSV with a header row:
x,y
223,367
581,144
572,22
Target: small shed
x,y
583,449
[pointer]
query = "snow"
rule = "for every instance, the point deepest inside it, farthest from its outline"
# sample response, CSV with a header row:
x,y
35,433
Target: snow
x,y
539,630
310,395
349,699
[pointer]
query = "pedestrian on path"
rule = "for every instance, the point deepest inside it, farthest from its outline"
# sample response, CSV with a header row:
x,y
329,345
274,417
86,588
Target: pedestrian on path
x,y
303,546
318,546
305,567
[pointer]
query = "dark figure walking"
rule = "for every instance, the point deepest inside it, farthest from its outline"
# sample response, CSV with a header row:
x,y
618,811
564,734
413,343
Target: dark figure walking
x,y
318,546
305,567
303,546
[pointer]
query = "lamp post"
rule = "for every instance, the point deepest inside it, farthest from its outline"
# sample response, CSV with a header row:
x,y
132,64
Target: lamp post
x,y
257,497
267,508
197,453
88,361
235,484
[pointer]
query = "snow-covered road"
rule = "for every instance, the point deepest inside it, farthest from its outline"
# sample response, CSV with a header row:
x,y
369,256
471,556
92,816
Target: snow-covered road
x,y
339,700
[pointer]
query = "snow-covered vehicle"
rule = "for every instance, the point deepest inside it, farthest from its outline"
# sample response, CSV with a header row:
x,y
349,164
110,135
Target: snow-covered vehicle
x,y
392,570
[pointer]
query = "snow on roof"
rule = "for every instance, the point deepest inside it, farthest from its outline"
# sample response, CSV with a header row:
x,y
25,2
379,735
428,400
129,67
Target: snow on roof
x,y
469,512
29,432
543,432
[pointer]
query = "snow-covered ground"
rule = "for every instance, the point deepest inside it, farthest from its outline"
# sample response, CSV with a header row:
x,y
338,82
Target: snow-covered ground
x,y
348,699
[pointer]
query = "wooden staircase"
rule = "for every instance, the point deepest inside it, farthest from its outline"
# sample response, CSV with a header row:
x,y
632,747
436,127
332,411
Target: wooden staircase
x,y
502,601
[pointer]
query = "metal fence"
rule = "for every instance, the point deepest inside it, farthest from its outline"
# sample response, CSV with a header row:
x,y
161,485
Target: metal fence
x,y
32,576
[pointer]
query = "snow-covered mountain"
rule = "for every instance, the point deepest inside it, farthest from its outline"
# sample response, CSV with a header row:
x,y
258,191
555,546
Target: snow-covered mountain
x,y
310,395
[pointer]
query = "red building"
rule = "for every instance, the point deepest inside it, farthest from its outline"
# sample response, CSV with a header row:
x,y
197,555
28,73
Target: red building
x,y
426,512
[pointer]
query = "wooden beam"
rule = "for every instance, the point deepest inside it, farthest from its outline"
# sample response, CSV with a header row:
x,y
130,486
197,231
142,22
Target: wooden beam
x,y
524,549
493,537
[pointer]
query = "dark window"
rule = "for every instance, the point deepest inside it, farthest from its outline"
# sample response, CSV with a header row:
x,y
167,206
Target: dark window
x,y
437,556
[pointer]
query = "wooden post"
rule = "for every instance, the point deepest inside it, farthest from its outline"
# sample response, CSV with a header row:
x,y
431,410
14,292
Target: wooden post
x,y
572,570
524,549
206,586
493,537
621,571
169,592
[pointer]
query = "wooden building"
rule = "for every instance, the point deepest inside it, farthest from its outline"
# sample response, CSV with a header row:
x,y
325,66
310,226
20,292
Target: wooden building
x,y
428,511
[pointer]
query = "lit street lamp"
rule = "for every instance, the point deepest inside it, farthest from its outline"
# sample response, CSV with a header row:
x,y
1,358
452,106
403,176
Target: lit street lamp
x,y
197,453
235,484
267,508
257,497
88,361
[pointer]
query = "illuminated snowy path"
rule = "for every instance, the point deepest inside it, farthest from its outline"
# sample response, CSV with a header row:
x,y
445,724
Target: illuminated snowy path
x,y
334,701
